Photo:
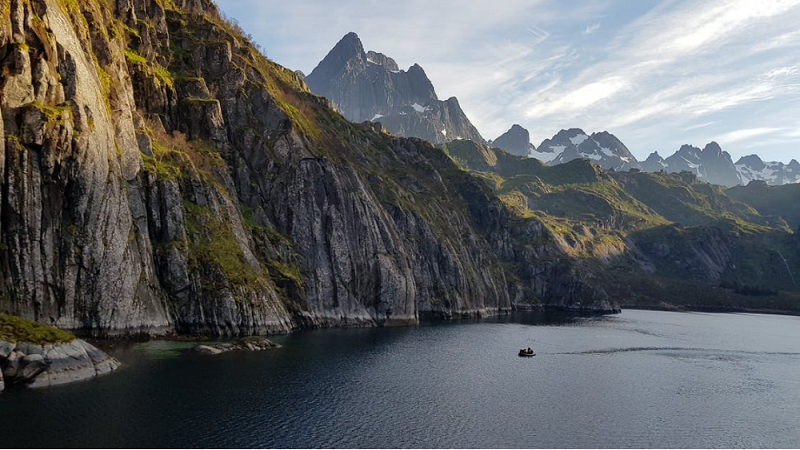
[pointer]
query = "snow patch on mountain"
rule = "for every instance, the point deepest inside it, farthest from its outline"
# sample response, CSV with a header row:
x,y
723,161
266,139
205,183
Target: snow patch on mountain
x,y
419,108
578,139
752,168
545,157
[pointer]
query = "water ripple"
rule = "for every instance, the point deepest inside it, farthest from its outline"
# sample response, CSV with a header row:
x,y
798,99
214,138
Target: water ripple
x,y
683,349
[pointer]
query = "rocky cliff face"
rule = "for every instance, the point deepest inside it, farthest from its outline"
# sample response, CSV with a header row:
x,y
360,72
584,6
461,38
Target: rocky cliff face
x,y
370,86
160,175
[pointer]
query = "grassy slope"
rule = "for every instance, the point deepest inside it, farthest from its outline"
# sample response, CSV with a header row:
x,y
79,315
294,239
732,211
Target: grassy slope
x,y
674,211
780,202
592,210
16,329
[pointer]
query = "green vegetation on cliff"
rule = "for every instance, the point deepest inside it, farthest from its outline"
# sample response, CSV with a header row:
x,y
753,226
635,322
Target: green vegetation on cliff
x,y
649,226
213,193
17,329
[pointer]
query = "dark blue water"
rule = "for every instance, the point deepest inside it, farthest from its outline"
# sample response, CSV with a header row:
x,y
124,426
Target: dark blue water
x,y
639,379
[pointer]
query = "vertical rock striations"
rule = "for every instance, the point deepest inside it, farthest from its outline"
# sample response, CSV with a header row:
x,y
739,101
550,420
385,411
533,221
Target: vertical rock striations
x,y
160,175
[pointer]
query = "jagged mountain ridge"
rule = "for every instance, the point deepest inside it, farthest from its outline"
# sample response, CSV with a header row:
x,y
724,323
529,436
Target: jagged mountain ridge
x,y
366,85
711,164
162,176
715,166
752,168
369,86
602,148
516,140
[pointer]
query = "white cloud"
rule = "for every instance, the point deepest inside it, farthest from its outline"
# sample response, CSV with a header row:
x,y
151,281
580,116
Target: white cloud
x,y
746,134
591,28
698,126
581,98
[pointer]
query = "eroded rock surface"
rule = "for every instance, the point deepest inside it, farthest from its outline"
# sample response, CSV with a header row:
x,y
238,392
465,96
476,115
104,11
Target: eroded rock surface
x,y
161,176
34,365
250,344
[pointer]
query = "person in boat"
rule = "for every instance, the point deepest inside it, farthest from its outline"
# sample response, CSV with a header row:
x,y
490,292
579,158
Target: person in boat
x,y
529,350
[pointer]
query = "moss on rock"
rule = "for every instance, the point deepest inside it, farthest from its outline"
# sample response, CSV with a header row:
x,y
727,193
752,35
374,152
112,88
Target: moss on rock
x,y
17,329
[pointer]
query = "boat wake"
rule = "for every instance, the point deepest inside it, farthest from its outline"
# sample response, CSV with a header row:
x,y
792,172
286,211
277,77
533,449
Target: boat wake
x,y
679,349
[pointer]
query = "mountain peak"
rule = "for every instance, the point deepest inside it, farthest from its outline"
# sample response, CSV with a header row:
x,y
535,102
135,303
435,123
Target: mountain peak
x,y
750,160
351,37
368,86
516,140
654,163
603,148
571,132
347,49
713,148
350,45
711,164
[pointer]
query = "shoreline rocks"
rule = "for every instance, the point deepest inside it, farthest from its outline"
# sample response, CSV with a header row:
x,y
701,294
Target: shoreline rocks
x,y
251,344
34,365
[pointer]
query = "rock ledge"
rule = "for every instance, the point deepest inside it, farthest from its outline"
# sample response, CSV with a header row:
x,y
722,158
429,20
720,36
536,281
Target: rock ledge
x,y
34,365
252,344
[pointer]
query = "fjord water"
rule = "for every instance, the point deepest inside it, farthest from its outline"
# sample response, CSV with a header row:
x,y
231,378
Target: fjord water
x,y
639,379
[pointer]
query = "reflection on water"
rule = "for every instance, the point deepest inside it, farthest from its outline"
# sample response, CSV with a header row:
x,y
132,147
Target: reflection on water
x,y
639,379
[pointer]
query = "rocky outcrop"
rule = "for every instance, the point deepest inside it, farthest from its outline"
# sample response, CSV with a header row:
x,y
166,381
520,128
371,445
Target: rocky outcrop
x,y
434,121
160,176
34,365
250,344
370,86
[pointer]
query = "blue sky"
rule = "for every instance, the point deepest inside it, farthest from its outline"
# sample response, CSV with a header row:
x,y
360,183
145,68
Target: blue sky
x,y
657,74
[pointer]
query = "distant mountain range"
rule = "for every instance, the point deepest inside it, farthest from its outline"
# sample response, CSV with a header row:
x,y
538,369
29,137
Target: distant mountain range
x,y
711,164
370,86
602,148
366,85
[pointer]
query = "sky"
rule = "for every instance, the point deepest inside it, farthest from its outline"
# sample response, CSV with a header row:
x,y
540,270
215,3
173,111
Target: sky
x,y
655,73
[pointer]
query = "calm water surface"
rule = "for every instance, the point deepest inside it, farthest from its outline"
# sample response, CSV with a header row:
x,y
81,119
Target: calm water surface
x,y
639,379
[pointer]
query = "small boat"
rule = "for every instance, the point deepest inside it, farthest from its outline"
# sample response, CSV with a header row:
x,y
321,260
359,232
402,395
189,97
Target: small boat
x,y
527,353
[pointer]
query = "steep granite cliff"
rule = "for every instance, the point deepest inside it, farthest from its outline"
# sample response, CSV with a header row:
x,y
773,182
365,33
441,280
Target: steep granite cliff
x,y
160,175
